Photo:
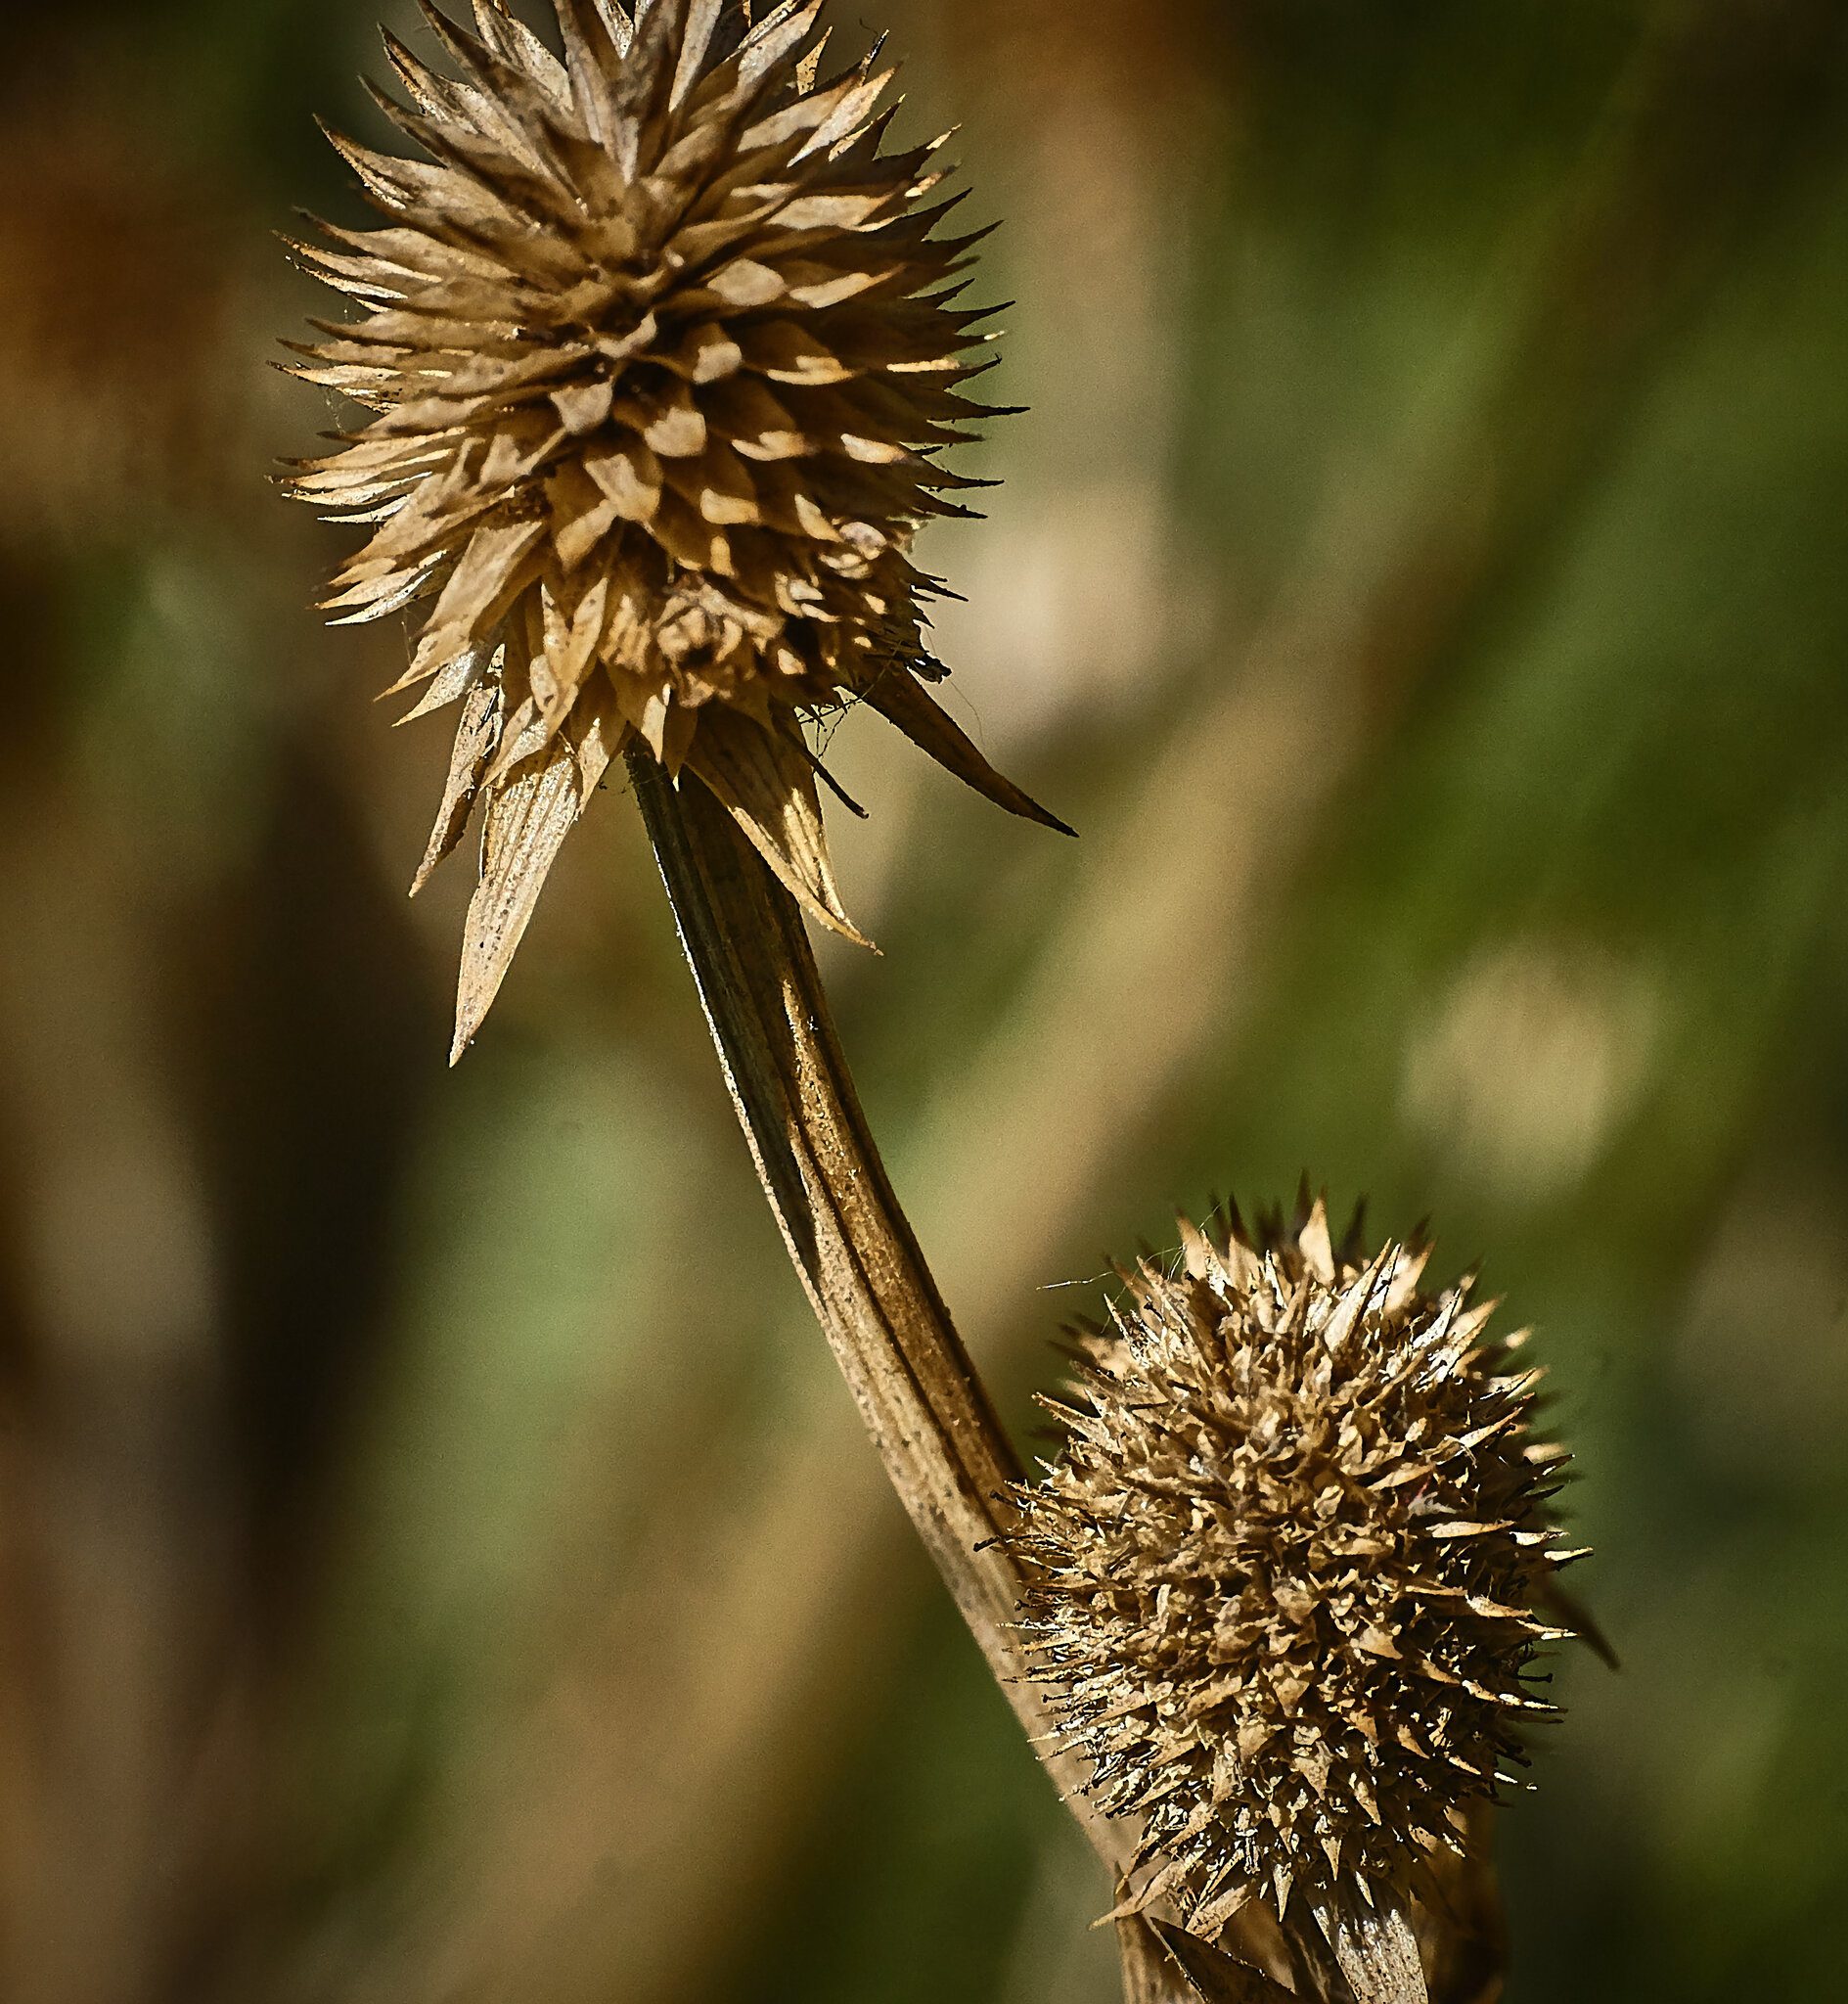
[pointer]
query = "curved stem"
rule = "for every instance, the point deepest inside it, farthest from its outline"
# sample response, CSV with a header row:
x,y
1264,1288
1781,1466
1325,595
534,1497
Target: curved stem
x,y
919,1394
929,1417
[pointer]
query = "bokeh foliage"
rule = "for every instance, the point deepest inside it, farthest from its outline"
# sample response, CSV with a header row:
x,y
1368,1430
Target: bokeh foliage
x,y
439,1562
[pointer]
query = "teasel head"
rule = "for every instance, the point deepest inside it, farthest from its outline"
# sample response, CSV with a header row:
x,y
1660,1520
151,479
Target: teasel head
x,y
661,348
1286,1583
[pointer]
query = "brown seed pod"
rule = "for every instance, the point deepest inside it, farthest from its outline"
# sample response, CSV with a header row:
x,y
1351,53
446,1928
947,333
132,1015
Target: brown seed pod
x,y
1286,1582
663,348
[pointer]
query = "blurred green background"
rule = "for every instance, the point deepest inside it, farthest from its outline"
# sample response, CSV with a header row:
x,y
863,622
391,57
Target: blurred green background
x,y
439,1563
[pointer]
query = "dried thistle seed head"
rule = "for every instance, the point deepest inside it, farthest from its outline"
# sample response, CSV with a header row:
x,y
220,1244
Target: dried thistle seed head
x,y
661,348
1285,1582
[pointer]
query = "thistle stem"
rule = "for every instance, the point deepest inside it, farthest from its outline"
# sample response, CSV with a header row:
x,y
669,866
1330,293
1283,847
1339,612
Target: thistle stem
x,y
918,1392
853,1248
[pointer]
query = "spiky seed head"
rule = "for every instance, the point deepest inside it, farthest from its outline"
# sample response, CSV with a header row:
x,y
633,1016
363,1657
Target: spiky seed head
x,y
1286,1580
661,348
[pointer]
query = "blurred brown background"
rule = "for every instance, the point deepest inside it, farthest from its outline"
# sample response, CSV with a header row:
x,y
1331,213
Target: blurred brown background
x,y
439,1565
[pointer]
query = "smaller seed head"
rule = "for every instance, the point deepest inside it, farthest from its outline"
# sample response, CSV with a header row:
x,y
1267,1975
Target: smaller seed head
x,y
1286,1580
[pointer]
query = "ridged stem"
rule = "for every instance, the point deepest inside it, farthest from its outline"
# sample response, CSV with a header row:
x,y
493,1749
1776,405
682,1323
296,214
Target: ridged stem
x,y
856,1254
929,1415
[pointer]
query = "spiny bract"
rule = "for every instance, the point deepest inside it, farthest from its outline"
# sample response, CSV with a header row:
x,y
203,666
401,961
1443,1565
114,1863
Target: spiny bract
x,y
1284,1582
663,347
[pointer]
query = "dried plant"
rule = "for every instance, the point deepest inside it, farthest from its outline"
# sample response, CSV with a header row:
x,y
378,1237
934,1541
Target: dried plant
x,y
662,347
1288,1583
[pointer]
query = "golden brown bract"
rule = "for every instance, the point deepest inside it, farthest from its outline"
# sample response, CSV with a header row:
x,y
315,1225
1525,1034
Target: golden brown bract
x,y
661,348
1285,1582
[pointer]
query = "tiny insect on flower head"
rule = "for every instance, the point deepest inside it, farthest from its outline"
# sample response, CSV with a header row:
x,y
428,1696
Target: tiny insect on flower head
x,y
1287,1581
661,348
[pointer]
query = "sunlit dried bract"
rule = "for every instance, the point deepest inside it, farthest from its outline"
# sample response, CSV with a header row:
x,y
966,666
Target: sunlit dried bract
x,y
663,348
1286,1584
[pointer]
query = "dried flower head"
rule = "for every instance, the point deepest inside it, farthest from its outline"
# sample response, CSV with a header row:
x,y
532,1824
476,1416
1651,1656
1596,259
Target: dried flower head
x,y
1285,1582
663,348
